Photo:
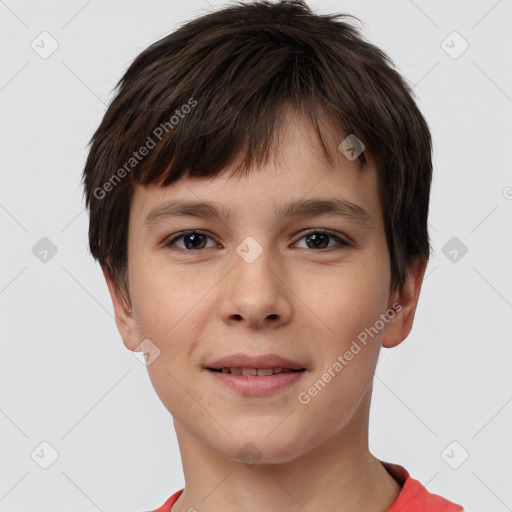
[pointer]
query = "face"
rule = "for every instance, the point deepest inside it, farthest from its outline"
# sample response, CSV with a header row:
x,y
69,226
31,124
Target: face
x,y
263,286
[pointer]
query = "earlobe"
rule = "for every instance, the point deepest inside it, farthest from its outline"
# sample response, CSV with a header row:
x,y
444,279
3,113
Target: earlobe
x,y
407,297
124,317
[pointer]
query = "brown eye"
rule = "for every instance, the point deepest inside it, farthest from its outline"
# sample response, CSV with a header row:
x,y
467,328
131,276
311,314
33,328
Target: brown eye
x,y
189,241
316,239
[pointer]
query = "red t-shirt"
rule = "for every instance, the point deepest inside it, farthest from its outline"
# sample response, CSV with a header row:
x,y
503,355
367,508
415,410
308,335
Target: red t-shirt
x,y
413,497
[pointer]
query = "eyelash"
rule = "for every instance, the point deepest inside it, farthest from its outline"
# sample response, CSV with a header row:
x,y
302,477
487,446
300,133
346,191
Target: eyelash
x,y
340,241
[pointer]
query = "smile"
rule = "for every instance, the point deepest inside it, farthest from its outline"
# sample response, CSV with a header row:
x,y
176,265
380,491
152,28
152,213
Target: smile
x,y
256,372
256,382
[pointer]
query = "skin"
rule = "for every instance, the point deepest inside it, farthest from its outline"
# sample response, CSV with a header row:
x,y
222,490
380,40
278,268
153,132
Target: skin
x,y
301,302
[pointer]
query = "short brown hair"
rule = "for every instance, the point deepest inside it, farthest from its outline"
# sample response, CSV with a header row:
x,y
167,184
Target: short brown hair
x,y
213,92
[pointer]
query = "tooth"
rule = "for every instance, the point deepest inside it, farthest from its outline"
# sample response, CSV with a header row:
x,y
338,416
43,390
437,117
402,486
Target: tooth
x,y
278,370
265,371
225,370
236,371
286,370
249,371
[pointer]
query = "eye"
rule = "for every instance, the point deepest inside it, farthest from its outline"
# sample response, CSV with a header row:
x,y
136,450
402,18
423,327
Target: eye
x,y
319,239
192,241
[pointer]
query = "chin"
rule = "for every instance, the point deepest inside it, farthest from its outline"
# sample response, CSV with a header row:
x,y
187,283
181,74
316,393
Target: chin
x,y
261,447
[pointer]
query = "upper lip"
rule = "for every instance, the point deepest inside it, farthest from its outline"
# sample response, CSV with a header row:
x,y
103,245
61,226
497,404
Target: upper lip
x,y
262,361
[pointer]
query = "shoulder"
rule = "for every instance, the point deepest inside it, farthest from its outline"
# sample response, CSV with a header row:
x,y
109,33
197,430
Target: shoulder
x,y
166,507
414,497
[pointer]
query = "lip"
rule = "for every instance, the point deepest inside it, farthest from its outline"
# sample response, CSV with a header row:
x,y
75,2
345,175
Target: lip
x,y
248,385
257,386
262,361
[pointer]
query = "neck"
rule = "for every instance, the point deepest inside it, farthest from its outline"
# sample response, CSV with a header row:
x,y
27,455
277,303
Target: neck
x,y
340,474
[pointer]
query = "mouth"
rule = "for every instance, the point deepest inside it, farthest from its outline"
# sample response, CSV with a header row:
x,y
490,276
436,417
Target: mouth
x,y
255,372
256,376
259,365
256,382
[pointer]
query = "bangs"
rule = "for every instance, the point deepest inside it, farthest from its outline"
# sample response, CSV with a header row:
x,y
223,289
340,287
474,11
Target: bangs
x,y
249,141
226,100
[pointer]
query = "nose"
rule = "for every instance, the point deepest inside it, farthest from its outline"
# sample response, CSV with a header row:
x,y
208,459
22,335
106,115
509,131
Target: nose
x,y
255,293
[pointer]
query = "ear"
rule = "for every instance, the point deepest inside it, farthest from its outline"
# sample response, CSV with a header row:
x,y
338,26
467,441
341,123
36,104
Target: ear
x,y
405,302
125,320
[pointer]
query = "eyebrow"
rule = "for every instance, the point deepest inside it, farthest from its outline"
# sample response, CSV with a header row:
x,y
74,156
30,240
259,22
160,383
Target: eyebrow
x,y
299,208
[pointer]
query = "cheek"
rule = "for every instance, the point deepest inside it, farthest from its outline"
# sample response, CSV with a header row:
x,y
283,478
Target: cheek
x,y
166,297
346,300
169,314
345,337
343,375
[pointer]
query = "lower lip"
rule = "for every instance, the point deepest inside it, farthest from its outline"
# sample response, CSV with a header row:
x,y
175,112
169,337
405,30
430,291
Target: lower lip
x,y
249,385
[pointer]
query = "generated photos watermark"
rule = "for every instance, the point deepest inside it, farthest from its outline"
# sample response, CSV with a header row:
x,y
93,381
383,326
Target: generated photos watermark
x,y
145,149
304,397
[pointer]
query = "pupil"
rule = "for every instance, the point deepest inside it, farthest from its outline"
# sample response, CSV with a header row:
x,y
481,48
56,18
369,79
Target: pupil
x,y
195,239
316,238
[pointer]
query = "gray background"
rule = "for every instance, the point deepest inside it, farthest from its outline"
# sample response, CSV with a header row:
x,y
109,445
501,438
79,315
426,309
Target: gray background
x,y
66,378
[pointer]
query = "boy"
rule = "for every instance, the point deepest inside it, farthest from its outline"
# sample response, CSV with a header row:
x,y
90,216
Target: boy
x,y
258,193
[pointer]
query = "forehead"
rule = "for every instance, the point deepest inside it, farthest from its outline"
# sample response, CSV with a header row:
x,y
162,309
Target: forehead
x,y
298,178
